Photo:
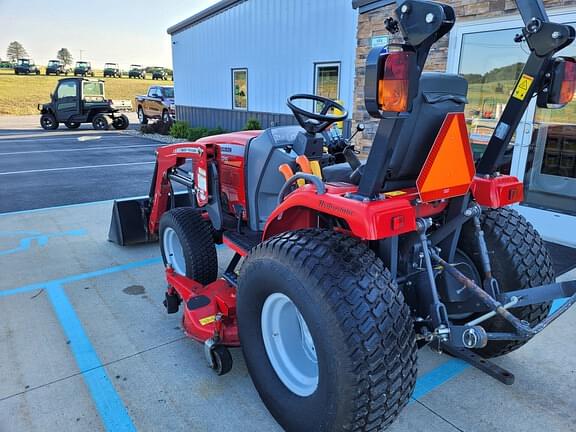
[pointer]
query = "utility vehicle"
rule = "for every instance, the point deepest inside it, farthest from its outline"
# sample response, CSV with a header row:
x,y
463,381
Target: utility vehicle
x,y
26,66
57,67
137,71
83,68
112,70
345,269
81,100
160,74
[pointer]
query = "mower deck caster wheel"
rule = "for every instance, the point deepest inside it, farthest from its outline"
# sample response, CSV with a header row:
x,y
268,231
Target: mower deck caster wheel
x,y
171,303
218,357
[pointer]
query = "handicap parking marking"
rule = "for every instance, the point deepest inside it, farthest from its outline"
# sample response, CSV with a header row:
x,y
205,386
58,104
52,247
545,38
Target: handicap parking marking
x,y
110,406
35,237
436,377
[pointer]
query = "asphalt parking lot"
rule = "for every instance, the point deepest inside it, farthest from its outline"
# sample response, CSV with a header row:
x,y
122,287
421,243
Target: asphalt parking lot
x,y
40,169
86,343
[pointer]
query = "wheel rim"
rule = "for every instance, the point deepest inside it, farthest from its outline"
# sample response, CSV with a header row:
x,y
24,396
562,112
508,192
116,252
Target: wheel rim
x,y
140,115
99,123
173,251
289,345
166,118
47,122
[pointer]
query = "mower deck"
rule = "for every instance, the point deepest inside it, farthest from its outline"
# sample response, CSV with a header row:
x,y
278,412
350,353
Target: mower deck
x,y
105,336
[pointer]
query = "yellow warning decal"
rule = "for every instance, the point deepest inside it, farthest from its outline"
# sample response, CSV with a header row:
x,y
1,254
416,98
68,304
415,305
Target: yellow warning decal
x,y
394,193
208,320
524,84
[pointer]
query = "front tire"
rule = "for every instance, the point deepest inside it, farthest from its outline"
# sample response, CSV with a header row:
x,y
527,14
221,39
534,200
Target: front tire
x,y
187,246
141,116
48,122
519,260
166,117
326,334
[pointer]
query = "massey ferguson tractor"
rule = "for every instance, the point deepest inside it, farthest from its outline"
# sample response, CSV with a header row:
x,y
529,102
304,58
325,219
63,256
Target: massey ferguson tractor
x,y
343,270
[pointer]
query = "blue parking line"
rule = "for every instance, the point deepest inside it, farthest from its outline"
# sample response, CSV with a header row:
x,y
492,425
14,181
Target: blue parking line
x,y
81,276
437,377
108,403
557,304
35,237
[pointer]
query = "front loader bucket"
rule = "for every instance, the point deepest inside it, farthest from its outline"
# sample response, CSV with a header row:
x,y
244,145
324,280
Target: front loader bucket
x,y
129,224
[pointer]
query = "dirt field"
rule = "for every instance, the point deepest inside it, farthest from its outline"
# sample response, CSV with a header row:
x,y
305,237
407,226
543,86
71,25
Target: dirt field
x,y
20,94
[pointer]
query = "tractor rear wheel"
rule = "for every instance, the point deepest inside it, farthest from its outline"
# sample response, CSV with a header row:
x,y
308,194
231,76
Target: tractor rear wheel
x,y
326,334
519,260
187,246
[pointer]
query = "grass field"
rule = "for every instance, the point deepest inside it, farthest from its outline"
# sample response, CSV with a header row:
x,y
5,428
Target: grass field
x,y
20,94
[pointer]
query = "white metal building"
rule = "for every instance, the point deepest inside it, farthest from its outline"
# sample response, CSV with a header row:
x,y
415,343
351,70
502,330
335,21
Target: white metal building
x,y
242,59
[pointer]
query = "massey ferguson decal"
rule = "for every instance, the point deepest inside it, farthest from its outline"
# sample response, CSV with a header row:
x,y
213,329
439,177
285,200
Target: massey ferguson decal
x,y
192,150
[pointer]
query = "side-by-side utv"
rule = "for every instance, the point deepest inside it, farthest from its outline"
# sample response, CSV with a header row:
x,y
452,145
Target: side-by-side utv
x,y
346,269
81,100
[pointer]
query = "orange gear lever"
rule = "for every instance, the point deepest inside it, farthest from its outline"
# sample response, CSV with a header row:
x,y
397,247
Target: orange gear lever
x,y
304,164
286,171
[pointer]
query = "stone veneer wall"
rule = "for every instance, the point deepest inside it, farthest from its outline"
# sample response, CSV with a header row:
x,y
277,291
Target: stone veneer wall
x,y
371,24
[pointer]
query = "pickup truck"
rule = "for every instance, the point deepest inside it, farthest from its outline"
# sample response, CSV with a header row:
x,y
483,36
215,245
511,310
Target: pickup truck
x,y
157,104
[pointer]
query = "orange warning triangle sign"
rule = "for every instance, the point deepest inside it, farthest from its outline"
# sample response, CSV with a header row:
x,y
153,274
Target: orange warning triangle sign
x,y
449,167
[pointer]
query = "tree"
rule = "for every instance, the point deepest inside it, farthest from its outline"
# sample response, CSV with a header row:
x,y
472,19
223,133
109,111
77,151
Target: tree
x,y
64,56
15,51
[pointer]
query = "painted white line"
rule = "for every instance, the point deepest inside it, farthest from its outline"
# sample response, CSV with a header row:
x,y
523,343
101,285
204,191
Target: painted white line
x,y
40,139
24,152
75,168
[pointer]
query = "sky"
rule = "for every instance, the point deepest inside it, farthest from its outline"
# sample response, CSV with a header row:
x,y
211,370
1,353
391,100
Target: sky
x,y
122,32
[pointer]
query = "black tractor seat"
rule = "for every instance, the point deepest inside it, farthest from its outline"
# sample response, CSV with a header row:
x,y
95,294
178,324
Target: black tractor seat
x,y
438,95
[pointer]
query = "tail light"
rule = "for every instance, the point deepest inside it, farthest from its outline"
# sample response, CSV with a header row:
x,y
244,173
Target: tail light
x,y
568,82
391,82
561,85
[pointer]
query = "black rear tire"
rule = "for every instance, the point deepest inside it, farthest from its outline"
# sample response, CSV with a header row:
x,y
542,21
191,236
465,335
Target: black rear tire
x,y
361,328
519,260
195,238
121,123
48,122
101,122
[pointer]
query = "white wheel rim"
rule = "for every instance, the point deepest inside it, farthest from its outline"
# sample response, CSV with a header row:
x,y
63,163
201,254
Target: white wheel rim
x,y
173,251
289,345
140,114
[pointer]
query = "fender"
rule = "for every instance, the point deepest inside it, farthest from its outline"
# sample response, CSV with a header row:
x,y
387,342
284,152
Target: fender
x,y
368,220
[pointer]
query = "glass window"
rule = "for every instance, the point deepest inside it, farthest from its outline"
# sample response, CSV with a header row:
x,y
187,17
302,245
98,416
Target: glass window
x,y
327,80
491,62
168,92
93,89
240,88
550,176
67,89
152,92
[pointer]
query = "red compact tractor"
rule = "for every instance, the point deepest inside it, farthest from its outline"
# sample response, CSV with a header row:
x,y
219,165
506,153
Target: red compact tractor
x,y
346,268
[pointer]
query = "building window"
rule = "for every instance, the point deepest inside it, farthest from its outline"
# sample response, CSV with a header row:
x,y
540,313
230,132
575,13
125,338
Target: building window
x,y
327,81
240,89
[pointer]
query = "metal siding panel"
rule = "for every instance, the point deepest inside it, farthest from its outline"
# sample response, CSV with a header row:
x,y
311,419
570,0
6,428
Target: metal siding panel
x,y
278,41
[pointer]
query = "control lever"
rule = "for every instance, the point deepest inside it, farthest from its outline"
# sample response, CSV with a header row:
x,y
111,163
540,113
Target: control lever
x,y
355,164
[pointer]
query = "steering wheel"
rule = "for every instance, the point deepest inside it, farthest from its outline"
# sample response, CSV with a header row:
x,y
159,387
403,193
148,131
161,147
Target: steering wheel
x,y
312,122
